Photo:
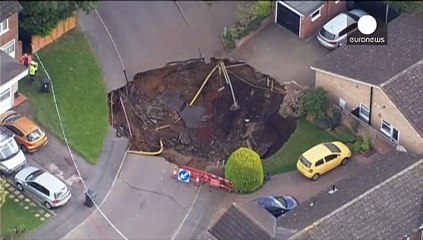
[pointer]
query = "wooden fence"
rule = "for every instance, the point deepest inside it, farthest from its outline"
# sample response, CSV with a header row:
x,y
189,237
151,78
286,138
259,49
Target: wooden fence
x,y
61,28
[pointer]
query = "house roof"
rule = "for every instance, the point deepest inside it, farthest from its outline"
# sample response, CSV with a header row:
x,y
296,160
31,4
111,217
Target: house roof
x,y
377,64
392,66
305,7
8,8
349,188
9,68
390,210
244,221
406,90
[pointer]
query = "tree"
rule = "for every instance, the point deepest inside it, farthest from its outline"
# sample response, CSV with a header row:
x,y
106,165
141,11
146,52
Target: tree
x,y
315,102
292,105
41,17
245,170
2,191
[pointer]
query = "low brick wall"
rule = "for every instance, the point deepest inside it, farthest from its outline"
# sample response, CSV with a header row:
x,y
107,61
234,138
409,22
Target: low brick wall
x,y
380,142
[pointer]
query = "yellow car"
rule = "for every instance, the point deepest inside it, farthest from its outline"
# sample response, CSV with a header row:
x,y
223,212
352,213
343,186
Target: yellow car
x,y
322,158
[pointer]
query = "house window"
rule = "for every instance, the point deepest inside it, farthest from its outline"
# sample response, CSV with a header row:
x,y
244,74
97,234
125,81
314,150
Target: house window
x,y
390,131
336,2
4,26
9,48
342,103
316,14
364,112
4,95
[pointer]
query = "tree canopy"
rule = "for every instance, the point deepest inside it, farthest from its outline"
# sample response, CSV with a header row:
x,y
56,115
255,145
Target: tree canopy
x,y
41,17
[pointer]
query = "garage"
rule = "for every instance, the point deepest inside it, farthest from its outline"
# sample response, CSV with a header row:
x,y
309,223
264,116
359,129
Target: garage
x,y
288,17
305,18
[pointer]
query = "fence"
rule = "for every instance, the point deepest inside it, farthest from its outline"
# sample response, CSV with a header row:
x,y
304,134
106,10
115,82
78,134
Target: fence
x,y
379,141
61,28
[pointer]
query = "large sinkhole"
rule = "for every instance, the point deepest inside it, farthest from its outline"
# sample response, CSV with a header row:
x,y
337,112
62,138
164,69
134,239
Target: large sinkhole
x,y
156,104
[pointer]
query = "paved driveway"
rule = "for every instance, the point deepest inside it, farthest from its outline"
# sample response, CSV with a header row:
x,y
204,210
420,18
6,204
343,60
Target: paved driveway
x,y
146,203
281,54
150,34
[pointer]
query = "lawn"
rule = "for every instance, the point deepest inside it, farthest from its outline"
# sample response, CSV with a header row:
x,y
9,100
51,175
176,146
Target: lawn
x,y
13,215
80,92
305,136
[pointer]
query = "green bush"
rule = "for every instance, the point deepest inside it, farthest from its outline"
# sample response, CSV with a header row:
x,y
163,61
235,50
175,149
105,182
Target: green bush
x,y
357,146
366,145
245,170
349,137
315,102
323,123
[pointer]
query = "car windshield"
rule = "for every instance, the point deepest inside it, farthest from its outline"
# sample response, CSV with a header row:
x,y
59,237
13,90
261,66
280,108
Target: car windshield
x,y
326,34
11,118
34,174
35,135
305,162
8,149
282,201
332,147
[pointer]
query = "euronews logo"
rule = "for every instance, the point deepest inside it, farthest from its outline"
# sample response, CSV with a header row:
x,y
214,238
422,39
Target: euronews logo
x,y
370,32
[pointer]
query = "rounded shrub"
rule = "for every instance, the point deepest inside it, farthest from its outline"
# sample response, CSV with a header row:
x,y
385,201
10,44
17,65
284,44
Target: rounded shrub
x,y
245,170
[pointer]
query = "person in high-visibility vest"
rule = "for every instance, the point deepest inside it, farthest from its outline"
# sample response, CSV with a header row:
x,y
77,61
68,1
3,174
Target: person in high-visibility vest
x,y
32,70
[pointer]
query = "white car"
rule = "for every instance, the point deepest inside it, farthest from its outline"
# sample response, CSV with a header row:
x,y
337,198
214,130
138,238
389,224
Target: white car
x,y
44,186
11,157
334,33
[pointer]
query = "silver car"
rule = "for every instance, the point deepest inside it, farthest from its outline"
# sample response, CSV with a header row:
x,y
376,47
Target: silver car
x,y
44,186
334,33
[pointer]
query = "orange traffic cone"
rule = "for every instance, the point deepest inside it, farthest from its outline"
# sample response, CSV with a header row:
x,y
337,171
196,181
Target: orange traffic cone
x,y
175,173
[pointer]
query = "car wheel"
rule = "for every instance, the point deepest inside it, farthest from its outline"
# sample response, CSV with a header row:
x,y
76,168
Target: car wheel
x,y
344,161
24,149
315,177
20,187
47,205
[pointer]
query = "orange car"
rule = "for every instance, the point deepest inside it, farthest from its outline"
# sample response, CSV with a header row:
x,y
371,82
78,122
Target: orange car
x,y
27,133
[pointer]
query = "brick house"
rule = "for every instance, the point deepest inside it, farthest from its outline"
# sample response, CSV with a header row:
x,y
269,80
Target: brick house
x,y
382,200
381,85
305,18
10,50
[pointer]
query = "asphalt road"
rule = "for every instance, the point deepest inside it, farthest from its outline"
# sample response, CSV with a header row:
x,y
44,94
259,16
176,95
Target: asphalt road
x,y
150,34
145,203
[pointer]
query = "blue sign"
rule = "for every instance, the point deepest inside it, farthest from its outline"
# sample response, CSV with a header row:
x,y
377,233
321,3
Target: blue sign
x,y
184,175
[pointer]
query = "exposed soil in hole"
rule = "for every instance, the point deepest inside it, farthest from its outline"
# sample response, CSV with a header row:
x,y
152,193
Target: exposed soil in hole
x,y
155,101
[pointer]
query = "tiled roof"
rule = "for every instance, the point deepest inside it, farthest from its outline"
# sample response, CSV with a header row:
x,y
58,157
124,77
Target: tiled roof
x,y
349,188
406,92
391,210
378,63
396,67
8,8
9,68
244,222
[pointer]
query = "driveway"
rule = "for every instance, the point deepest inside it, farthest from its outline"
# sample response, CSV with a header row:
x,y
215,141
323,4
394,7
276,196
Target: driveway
x,y
55,158
148,35
281,54
146,203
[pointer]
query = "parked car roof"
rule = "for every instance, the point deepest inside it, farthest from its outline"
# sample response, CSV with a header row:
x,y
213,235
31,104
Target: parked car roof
x,y
338,23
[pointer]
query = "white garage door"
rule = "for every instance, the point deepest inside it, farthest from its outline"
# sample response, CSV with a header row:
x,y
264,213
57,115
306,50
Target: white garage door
x,y
5,101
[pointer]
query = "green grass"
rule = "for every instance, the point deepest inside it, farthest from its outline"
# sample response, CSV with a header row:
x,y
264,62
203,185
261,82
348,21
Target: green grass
x,y
13,215
80,93
305,136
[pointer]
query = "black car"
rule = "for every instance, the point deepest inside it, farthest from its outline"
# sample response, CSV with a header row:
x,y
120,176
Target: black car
x,y
277,205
